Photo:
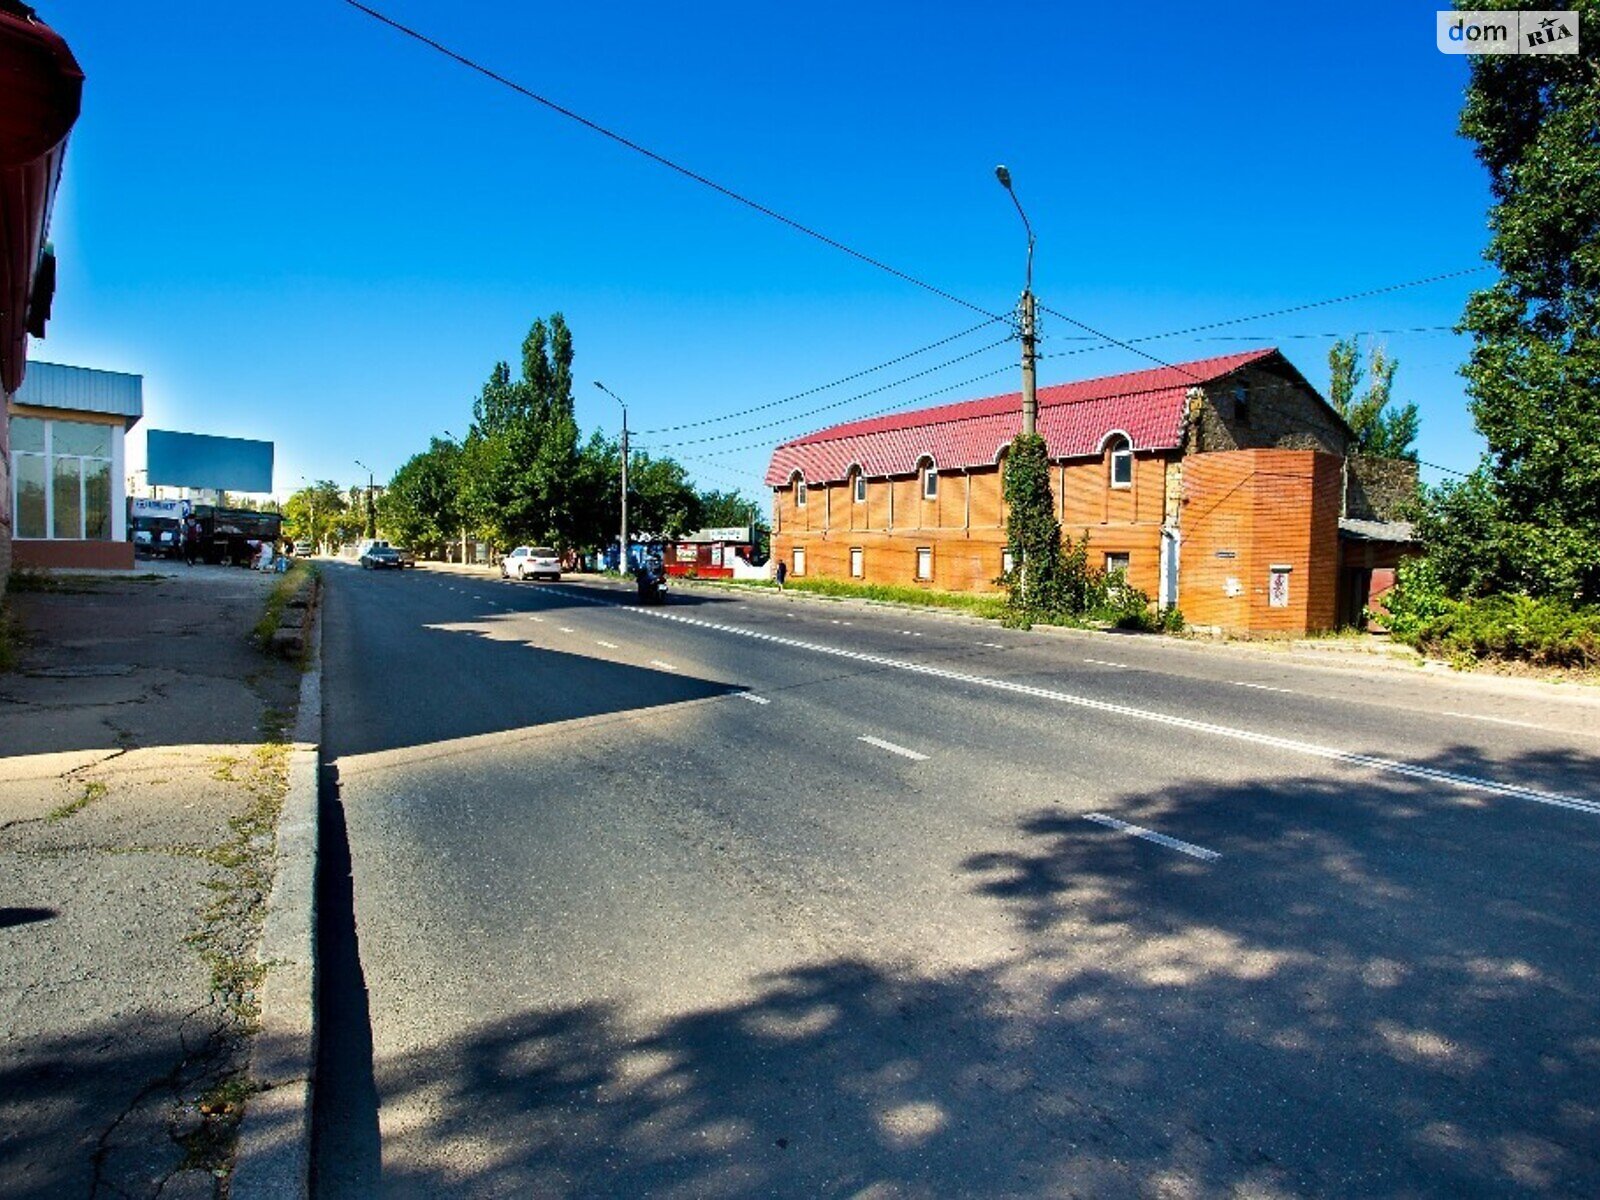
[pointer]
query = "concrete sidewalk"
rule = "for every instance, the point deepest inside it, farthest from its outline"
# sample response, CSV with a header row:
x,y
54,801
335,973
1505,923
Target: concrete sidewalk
x,y
144,757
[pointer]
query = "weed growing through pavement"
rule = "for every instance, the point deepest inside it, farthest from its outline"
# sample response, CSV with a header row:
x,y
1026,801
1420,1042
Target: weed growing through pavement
x,y
92,790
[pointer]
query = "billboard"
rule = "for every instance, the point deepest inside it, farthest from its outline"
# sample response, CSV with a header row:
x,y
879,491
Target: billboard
x,y
199,460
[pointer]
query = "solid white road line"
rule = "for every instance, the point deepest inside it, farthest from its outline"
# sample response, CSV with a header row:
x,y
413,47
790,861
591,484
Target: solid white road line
x,y
1262,687
1495,720
1100,662
665,666
607,645
1150,835
752,697
893,749
1289,745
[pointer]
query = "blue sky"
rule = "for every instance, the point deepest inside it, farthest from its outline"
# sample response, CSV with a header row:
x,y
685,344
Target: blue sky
x,y
300,226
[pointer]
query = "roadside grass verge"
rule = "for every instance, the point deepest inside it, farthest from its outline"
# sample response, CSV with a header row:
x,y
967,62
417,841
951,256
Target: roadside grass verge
x,y
991,607
296,577
10,640
92,790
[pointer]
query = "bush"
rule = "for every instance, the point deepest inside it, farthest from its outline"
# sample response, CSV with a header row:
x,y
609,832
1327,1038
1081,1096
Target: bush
x,y
1545,633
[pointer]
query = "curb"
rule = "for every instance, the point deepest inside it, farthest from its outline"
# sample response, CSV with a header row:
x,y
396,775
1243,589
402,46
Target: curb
x,y
273,1160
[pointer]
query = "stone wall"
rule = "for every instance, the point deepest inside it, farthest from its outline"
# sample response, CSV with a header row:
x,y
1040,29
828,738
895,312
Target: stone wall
x,y
1277,412
1378,489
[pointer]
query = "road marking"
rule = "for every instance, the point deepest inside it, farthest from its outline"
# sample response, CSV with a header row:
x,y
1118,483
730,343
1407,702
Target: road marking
x,y
1262,687
893,749
1289,745
564,629
1496,720
752,697
607,645
992,645
1100,662
1150,835
531,617
665,666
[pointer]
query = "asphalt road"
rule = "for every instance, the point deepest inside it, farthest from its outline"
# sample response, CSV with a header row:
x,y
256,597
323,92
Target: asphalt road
x,y
770,897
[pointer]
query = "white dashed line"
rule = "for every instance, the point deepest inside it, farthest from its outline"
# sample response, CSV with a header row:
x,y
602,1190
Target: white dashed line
x,y
1171,721
992,645
665,666
607,645
752,697
893,749
564,629
531,617
1100,662
1262,687
1150,835
1495,720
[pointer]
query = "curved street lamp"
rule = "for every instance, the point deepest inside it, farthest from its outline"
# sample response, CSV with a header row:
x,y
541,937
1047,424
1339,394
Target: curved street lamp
x,y
1030,394
622,546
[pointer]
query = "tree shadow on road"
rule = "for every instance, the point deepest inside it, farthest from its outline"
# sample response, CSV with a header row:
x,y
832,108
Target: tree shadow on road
x,y
1383,987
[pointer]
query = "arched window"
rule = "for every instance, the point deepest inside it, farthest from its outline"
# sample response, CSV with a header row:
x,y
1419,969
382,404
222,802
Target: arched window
x,y
858,488
1121,462
799,490
930,479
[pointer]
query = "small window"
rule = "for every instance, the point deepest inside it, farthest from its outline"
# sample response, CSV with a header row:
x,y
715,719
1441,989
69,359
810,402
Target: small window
x,y
930,483
1008,562
799,560
925,562
800,493
1241,403
1121,463
861,488
858,567
1117,564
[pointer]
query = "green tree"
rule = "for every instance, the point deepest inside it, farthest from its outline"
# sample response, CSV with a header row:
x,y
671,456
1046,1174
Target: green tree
x,y
1534,372
1381,431
313,512
1033,534
726,509
660,498
421,506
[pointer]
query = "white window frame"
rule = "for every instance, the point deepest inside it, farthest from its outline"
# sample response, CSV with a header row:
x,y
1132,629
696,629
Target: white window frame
x,y
797,564
858,563
930,482
116,528
859,494
1125,566
799,493
1121,451
1008,562
921,577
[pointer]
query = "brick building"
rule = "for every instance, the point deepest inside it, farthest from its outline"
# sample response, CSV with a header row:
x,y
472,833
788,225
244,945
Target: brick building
x,y
1216,485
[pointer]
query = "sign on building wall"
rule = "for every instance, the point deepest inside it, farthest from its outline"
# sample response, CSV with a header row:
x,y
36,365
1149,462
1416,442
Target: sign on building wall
x,y
1278,587
200,460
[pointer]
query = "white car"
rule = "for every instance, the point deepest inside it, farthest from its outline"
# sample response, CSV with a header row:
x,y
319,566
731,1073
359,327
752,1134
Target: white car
x,y
531,562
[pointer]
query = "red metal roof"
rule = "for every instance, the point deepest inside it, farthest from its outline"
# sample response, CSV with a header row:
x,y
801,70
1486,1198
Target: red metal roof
x,y
1074,418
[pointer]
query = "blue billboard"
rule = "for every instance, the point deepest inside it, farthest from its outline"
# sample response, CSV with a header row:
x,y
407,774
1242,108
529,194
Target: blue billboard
x,y
199,460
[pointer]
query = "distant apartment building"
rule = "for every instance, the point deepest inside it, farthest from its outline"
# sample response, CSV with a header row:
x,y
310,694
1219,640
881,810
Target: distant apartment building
x,y
1217,486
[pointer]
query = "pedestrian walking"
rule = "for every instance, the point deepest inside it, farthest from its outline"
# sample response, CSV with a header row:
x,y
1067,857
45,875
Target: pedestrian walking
x,y
191,539
782,573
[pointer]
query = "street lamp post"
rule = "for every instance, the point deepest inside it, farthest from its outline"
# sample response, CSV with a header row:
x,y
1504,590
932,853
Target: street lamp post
x,y
372,517
622,557
311,502
1030,395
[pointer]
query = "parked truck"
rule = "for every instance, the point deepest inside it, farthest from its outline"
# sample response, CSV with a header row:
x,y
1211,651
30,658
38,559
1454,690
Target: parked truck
x,y
235,535
155,527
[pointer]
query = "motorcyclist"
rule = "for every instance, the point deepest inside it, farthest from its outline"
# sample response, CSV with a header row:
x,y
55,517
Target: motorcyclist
x,y
651,574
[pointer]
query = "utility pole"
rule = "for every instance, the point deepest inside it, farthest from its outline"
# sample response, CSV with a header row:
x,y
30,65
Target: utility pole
x,y
622,546
1030,394
459,446
372,516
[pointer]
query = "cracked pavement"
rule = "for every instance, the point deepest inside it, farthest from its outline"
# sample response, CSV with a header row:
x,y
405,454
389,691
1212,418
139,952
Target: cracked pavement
x,y
133,790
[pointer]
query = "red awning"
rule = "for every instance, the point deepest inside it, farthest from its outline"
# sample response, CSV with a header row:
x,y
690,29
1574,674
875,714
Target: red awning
x,y
41,87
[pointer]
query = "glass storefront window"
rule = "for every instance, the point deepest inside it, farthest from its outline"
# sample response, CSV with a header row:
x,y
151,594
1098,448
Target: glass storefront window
x,y
31,478
67,480
61,471
27,435
97,499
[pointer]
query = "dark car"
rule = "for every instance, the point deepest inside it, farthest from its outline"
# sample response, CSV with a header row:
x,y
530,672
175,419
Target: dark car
x,y
379,558
407,559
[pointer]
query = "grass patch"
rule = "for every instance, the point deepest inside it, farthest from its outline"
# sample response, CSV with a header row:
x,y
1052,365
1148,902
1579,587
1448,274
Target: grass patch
x,y
301,575
211,1145
992,607
92,790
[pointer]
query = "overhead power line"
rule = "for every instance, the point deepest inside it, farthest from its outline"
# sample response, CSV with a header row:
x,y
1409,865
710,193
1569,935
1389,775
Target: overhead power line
x,y
596,127
954,337
793,417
